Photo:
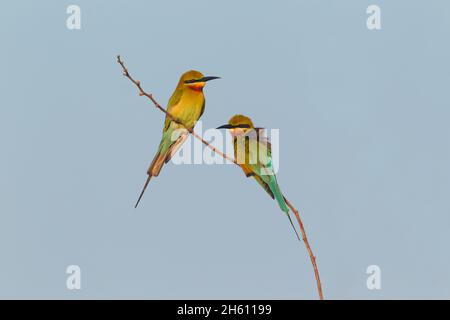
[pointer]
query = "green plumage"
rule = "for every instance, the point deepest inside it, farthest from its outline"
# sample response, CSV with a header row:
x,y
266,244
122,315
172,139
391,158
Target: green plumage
x,y
253,153
258,163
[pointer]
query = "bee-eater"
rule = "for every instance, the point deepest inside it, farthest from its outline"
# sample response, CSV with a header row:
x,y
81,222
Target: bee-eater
x,y
186,105
256,160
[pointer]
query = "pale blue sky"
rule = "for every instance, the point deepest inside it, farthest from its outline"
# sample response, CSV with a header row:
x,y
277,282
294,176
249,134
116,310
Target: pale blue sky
x,y
364,132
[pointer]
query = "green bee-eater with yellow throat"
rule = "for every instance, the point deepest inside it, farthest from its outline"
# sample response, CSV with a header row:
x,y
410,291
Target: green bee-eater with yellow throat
x,y
186,105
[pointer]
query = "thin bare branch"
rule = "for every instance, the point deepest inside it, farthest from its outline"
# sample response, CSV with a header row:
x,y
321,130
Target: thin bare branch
x,y
142,92
308,247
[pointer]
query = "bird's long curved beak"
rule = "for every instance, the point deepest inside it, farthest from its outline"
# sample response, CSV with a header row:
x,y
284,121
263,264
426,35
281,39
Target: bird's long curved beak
x,y
225,126
204,79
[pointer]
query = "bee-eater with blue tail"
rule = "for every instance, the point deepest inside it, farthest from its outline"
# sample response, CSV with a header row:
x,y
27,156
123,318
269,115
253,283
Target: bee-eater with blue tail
x,y
186,105
253,153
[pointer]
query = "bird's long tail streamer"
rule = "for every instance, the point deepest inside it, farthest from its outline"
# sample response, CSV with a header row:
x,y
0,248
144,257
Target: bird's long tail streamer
x,y
143,190
292,224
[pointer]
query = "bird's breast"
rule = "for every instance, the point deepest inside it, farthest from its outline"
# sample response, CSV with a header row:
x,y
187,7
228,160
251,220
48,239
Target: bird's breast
x,y
189,108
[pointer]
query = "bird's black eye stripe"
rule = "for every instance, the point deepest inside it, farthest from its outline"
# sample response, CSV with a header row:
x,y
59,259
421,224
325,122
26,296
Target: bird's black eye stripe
x,y
243,126
192,81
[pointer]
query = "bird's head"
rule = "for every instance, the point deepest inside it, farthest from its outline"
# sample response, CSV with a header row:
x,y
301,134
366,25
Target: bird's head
x,y
238,125
194,80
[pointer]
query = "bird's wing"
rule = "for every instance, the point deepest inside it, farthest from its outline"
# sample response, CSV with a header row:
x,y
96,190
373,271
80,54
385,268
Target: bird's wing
x,y
252,170
267,174
171,140
260,150
173,101
257,158
264,174
176,145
